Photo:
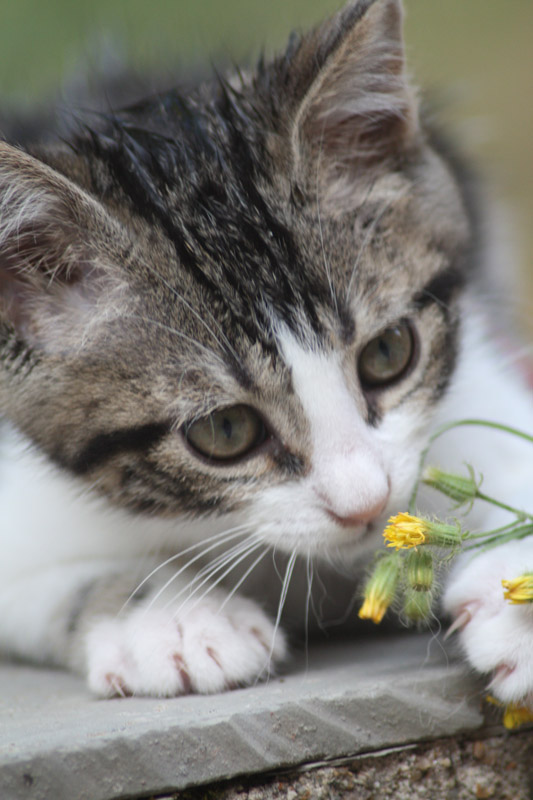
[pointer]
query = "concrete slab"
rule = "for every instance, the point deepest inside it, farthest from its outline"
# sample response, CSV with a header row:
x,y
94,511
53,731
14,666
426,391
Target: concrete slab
x,y
56,741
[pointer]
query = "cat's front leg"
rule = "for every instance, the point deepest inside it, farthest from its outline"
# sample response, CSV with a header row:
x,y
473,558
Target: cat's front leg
x,y
496,635
204,646
81,616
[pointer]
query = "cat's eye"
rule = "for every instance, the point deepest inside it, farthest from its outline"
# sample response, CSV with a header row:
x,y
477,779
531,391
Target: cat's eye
x,y
387,357
226,434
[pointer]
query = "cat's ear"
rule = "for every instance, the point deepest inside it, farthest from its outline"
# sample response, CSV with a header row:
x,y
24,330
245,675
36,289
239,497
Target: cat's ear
x,y
50,267
358,109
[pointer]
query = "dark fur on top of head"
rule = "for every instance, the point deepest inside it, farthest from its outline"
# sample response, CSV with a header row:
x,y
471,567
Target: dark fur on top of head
x,y
187,232
208,194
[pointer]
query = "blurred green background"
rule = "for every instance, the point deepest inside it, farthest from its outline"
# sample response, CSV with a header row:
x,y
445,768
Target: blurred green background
x,y
476,54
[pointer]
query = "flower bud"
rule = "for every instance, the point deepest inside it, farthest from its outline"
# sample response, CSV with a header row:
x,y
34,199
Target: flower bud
x,y
419,570
380,588
457,487
417,605
442,535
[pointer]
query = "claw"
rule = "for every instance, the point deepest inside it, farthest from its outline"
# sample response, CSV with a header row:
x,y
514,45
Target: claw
x,y
117,685
501,672
183,673
460,622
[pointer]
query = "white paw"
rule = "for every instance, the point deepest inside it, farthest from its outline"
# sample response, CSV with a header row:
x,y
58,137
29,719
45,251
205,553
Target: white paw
x,y
496,635
202,649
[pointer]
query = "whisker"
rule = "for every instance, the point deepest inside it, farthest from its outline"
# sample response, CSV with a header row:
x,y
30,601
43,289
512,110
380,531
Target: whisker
x,y
309,576
318,612
283,596
188,564
252,547
244,576
276,570
211,568
217,540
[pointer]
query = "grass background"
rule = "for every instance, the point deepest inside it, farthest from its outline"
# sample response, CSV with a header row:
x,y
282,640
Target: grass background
x,y
478,53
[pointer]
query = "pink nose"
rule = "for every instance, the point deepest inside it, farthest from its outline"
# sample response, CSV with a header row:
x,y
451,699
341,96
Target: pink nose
x,y
359,518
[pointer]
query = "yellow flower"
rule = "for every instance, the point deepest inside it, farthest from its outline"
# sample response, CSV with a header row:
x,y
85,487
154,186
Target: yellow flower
x,y
373,608
380,589
513,715
405,530
519,590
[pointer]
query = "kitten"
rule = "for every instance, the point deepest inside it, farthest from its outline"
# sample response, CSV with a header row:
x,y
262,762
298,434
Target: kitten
x,y
229,322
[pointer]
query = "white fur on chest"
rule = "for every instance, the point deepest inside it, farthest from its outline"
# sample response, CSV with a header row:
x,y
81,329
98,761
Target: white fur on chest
x,y
48,518
488,385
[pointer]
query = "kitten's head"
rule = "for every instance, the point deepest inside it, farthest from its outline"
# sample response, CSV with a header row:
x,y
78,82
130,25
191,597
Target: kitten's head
x,y
245,299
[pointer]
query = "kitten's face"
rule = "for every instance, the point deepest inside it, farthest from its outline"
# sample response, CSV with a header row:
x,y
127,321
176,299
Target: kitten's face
x,y
251,304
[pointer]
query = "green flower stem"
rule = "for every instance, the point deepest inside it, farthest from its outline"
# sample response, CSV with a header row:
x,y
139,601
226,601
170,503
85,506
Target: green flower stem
x,y
522,515
448,427
493,541
509,528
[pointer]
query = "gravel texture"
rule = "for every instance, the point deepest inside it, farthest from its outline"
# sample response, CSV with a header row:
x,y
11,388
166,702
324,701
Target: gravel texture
x,y
498,767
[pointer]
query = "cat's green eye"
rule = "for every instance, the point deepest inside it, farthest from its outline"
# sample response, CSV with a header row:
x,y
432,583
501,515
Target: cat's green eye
x,y
387,357
226,434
